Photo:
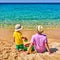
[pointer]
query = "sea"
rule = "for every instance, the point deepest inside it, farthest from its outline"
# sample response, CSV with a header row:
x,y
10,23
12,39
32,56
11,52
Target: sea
x,y
30,14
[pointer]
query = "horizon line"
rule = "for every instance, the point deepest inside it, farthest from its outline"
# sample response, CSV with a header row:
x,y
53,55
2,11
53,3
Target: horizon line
x,y
29,2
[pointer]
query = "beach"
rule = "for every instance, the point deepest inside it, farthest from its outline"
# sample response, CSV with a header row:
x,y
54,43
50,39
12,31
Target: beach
x,y
29,16
8,51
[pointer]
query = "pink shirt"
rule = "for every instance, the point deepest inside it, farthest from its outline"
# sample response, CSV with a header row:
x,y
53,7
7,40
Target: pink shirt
x,y
39,41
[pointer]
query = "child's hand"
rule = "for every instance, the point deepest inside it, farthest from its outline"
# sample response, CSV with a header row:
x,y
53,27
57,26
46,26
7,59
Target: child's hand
x,y
25,38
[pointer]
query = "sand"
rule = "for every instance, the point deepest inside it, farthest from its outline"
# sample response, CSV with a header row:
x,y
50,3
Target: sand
x,y
8,51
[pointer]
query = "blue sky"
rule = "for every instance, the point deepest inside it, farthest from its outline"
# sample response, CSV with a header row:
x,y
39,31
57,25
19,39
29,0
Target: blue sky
x,y
30,1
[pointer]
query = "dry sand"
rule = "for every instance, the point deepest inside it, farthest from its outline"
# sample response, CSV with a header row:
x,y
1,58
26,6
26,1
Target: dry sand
x,y
8,51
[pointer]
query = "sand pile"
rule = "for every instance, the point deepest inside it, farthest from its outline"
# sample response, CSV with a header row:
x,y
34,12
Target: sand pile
x,y
8,52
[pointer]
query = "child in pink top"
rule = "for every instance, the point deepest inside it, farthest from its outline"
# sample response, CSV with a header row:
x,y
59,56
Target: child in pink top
x,y
39,41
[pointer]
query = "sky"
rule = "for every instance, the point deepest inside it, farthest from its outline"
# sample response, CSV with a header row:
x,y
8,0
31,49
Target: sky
x,y
29,1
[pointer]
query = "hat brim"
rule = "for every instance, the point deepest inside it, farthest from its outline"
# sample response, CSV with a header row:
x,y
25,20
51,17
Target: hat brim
x,y
19,29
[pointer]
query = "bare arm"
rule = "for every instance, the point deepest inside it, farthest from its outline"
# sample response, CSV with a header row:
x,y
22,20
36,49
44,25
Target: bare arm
x,y
24,38
47,47
29,49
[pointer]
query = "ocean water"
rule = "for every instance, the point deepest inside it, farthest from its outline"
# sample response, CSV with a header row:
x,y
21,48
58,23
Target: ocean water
x,y
30,14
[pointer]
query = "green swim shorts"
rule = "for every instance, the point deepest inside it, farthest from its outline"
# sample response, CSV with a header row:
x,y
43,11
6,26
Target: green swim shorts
x,y
22,47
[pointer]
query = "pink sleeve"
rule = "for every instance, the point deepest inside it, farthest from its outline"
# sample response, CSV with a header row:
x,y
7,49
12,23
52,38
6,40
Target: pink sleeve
x,y
46,40
32,39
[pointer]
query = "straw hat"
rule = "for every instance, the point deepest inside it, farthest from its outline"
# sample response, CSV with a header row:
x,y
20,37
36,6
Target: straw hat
x,y
18,27
40,28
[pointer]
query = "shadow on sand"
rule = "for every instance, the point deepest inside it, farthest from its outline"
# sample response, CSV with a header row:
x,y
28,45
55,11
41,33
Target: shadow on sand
x,y
53,50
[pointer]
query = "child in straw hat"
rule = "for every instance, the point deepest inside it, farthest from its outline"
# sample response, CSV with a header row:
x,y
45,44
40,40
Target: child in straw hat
x,y
18,38
39,41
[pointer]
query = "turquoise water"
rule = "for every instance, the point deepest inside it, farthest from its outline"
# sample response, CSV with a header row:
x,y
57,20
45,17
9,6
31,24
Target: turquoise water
x,y
30,14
